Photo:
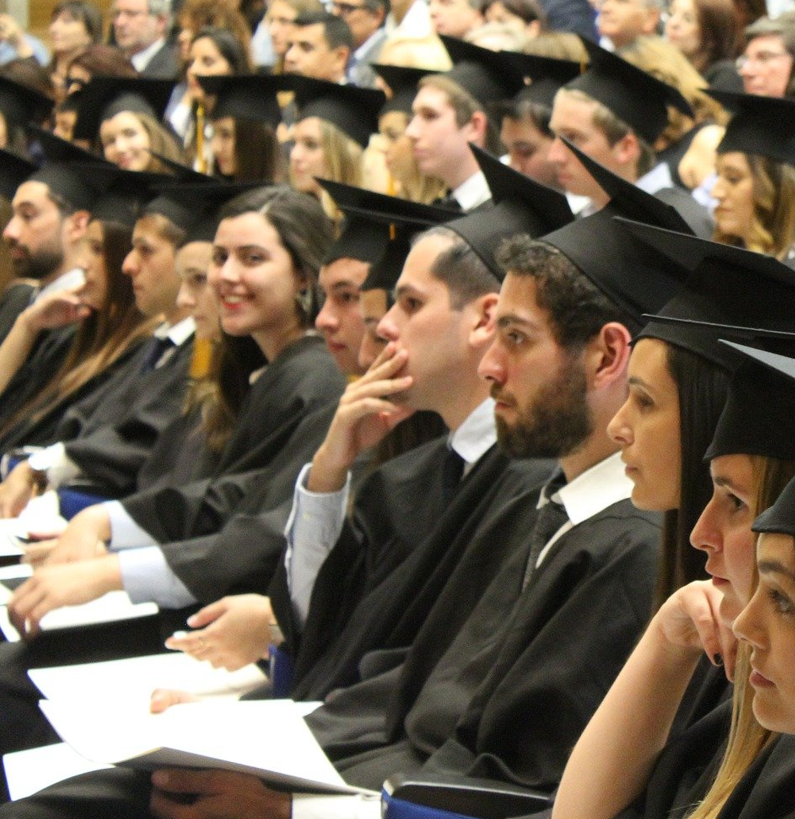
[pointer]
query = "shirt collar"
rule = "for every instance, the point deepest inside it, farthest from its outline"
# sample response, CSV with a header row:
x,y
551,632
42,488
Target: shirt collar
x,y
472,192
597,488
179,333
72,278
476,435
143,58
360,52
658,178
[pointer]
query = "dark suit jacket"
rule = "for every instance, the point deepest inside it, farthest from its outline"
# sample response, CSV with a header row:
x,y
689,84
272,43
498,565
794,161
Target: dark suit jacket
x,y
164,65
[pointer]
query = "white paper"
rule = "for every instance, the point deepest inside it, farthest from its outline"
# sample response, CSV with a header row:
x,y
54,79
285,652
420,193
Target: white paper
x,y
132,681
29,771
109,608
266,738
19,571
10,532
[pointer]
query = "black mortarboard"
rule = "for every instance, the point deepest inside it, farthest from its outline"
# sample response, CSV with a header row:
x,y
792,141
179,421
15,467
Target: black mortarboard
x,y
56,149
182,172
760,405
759,125
13,172
780,517
629,273
521,205
20,104
246,96
61,174
725,285
376,224
487,75
351,109
547,76
402,81
124,194
104,97
194,206
634,96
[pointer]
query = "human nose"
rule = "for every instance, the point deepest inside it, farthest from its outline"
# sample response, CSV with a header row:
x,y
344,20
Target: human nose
x,y
619,429
558,152
11,232
326,320
185,298
413,128
387,327
705,534
492,366
748,625
130,264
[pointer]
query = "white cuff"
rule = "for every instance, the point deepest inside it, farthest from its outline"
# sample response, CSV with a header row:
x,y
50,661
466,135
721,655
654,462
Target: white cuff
x,y
147,577
54,461
125,533
313,806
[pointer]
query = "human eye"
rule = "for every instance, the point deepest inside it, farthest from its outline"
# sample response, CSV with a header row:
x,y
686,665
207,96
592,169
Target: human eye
x,y
781,603
219,256
348,297
253,256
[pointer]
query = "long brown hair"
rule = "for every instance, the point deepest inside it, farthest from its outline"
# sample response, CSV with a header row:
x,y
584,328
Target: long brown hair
x,y
747,738
101,338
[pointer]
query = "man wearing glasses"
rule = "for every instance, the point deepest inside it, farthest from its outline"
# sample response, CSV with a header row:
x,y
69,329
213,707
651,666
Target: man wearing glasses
x,y
140,28
366,20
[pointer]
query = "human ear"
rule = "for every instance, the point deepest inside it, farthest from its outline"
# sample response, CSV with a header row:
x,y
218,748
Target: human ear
x,y
608,354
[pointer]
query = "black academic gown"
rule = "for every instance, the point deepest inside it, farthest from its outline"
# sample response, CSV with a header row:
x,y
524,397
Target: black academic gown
x,y
283,421
386,571
15,298
513,693
38,428
110,433
43,362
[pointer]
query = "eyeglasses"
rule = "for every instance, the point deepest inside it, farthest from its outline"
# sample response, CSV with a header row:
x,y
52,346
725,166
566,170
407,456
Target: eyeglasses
x,y
761,57
344,9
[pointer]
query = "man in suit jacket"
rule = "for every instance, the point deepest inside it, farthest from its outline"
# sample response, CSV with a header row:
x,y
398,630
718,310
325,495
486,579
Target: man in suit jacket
x,y
140,28
366,20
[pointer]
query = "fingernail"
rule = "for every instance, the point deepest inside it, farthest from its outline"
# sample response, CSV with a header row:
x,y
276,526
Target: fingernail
x,y
718,658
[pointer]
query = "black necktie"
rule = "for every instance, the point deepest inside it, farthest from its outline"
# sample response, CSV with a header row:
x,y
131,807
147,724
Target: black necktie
x,y
155,351
452,470
551,516
448,201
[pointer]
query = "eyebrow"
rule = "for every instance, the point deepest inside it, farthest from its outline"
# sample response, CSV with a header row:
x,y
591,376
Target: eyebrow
x,y
403,289
635,381
775,567
511,318
343,285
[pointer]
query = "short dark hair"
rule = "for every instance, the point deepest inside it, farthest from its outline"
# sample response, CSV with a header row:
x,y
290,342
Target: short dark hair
x,y
336,31
461,269
84,12
377,5
577,308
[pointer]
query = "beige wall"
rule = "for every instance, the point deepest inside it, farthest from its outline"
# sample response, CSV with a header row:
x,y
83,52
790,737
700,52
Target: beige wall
x,y
39,12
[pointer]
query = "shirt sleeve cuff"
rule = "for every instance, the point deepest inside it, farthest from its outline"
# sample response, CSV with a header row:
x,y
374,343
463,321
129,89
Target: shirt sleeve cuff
x,y
57,464
312,806
147,577
125,533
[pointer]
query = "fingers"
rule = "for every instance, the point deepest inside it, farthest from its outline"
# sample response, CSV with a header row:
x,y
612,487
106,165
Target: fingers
x,y
37,553
208,614
191,642
163,698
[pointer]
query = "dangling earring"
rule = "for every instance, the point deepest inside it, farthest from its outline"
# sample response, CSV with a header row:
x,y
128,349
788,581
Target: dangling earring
x,y
304,300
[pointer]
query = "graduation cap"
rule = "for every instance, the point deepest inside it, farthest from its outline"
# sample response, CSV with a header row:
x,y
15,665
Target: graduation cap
x,y
761,125
725,286
61,171
182,172
20,104
194,206
104,97
378,230
124,194
634,96
760,405
56,149
402,81
780,517
630,273
14,170
521,205
547,76
487,75
352,109
245,96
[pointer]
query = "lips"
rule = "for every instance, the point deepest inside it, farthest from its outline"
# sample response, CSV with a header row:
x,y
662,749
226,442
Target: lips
x,y
759,680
